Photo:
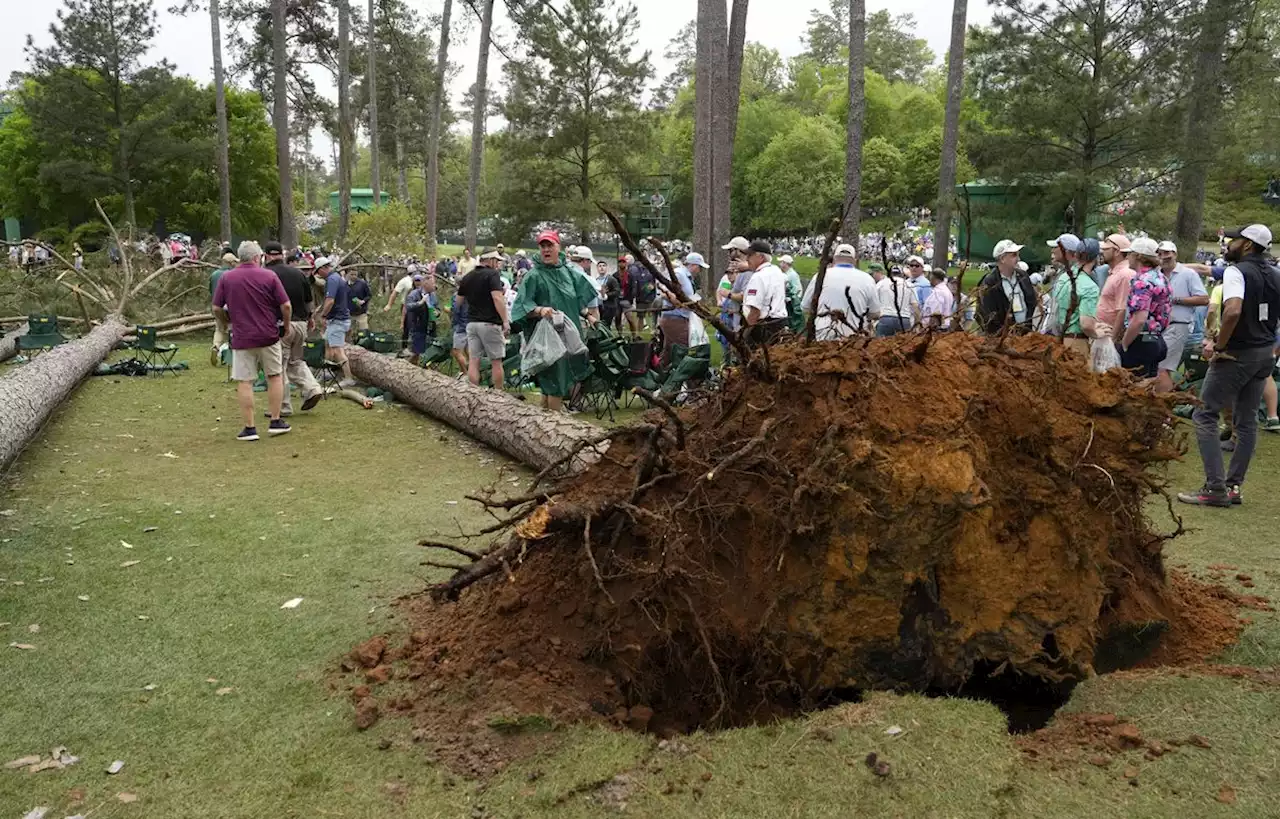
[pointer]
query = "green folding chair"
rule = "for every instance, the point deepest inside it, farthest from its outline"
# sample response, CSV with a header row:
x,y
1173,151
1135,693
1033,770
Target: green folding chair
x,y
328,373
157,355
42,334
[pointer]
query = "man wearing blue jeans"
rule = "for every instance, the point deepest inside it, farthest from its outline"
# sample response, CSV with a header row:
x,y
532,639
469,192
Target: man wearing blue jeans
x,y
335,318
1241,360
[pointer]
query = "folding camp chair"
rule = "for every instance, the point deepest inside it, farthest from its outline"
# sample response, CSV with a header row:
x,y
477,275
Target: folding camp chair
x,y
688,364
42,334
156,355
328,373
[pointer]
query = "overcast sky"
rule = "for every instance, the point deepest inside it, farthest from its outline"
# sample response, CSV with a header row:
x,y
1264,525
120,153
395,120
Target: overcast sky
x,y
778,24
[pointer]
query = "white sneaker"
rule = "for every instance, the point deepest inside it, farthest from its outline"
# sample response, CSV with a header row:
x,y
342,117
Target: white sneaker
x,y
348,383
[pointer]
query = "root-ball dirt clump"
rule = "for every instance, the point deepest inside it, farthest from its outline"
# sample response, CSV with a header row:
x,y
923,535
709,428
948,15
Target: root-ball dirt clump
x,y
929,513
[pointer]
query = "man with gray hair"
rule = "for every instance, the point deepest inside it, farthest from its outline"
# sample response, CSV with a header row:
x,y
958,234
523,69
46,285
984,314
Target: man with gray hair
x,y
254,302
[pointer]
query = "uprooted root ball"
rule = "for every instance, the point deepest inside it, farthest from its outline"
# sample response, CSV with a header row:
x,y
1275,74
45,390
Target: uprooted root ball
x,y
915,513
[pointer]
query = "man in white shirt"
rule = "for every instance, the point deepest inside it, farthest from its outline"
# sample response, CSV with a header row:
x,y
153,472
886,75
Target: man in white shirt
x,y
940,304
764,303
899,310
848,303
1188,293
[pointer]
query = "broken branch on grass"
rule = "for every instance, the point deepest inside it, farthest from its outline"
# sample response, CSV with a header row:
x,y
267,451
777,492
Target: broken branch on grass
x,y
437,544
453,567
593,442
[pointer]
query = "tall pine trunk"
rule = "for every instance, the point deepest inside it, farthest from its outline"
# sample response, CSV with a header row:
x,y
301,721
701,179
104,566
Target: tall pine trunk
x,y
437,115
397,129
224,139
857,115
375,177
344,120
1199,144
950,136
480,99
728,95
280,117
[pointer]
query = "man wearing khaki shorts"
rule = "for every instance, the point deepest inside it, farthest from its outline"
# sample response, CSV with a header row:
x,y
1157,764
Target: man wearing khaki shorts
x,y
254,302
1187,293
488,322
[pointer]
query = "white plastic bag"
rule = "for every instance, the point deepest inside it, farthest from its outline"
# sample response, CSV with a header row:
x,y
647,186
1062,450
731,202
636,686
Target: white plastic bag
x,y
1103,355
540,350
697,332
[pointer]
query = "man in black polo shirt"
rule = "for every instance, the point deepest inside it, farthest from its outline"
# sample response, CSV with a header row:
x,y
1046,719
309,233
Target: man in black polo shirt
x,y
1241,359
487,321
293,336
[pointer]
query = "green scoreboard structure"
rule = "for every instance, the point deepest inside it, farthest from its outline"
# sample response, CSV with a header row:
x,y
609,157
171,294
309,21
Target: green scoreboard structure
x,y
646,206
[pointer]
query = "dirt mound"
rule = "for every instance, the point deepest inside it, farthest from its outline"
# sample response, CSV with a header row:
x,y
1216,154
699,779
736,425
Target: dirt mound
x,y
1204,623
1099,739
942,513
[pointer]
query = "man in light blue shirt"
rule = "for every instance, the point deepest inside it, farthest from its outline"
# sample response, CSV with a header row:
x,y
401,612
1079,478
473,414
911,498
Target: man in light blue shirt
x,y
674,321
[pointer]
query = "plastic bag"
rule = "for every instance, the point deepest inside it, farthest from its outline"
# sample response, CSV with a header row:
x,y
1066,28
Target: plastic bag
x,y
540,350
569,335
697,331
1103,355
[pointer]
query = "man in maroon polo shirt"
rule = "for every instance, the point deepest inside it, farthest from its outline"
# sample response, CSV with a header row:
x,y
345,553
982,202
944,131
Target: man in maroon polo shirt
x,y
254,302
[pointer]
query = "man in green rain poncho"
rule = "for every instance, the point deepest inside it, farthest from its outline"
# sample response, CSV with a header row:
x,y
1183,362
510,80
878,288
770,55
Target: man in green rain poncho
x,y
553,285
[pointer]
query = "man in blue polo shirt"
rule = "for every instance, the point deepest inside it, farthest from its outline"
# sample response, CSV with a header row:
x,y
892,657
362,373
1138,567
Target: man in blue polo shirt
x,y
335,318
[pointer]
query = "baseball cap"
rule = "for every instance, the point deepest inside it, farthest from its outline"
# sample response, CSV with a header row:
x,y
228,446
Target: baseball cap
x,y
1118,241
760,246
519,253
1023,267
1037,279
1069,241
1258,234
739,243
547,236
1005,246
501,245
322,262
417,277
695,258
582,252
230,258
1144,246
1167,245
914,260
843,251
787,258
490,253
272,247
1090,248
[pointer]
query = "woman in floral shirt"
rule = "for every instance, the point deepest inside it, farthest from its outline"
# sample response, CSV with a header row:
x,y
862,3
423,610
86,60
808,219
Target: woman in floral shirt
x,y
1147,311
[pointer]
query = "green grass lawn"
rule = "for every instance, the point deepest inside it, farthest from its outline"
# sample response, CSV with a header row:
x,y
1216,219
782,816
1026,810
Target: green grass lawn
x,y
330,513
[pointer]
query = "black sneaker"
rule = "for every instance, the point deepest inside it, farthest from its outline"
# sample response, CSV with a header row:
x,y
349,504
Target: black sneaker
x,y
1233,492
278,427
1206,497
311,402
248,434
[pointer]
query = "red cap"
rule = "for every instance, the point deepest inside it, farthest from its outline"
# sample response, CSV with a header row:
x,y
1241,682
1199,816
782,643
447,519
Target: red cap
x,y
548,236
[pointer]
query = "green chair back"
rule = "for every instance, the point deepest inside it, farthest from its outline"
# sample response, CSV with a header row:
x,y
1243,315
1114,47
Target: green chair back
x,y
41,325
384,342
147,338
313,352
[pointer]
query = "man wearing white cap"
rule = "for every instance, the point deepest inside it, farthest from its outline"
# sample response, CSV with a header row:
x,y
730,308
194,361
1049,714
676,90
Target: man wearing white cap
x,y
1241,360
848,303
918,278
1006,294
737,248
586,262
674,321
1188,293
1073,296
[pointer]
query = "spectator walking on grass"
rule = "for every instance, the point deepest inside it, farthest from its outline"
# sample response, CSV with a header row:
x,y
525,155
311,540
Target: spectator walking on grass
x,y
1241,361
335,318
296,331
252,301
488,323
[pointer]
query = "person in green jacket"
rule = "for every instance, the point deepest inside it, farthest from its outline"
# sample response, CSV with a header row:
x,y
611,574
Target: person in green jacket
x,y
553,285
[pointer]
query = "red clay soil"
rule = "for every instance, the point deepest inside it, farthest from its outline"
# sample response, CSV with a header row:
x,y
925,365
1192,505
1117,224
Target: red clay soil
x,y
1100,739
1205,622
863,516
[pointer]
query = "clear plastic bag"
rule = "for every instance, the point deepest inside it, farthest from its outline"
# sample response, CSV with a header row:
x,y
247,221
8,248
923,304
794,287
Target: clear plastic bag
x,y
697,331
541,349
1103,355
569,335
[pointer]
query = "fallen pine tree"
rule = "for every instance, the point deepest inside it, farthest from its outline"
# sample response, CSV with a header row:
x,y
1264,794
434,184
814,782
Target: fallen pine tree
x,y
940,513
531,435
9,343
30,394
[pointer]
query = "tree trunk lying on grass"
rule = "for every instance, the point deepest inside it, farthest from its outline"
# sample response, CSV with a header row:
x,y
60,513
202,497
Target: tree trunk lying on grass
x,y
527,433
30,394
131,332
9,344
176,321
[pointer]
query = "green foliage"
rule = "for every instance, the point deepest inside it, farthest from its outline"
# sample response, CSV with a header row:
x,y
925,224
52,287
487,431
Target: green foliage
x,y
797,182
892,50
574,126
394,228
883,183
